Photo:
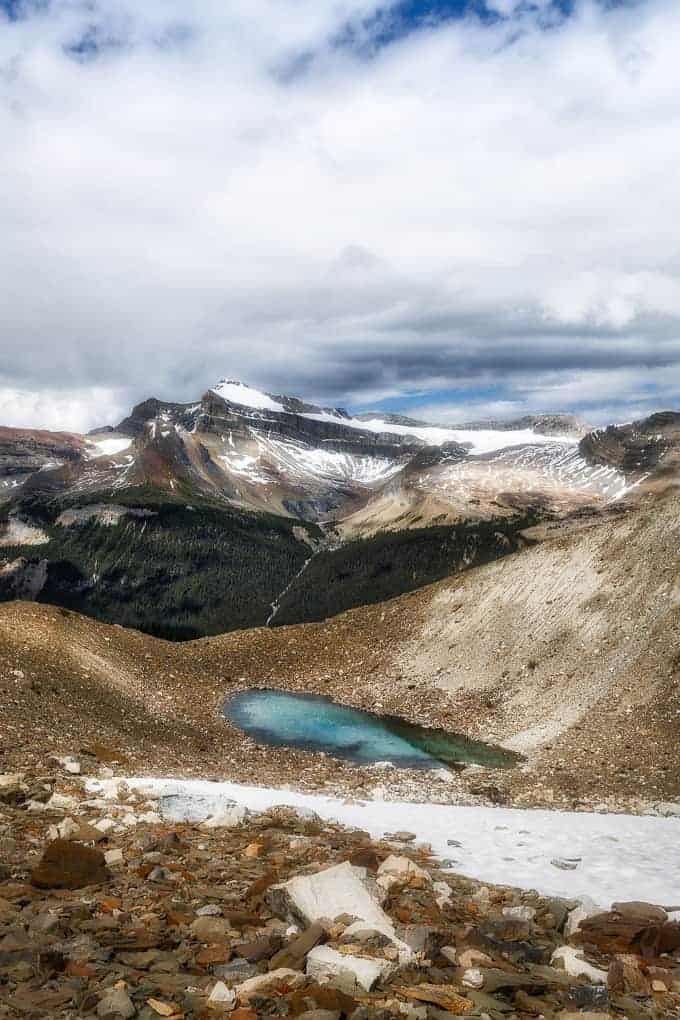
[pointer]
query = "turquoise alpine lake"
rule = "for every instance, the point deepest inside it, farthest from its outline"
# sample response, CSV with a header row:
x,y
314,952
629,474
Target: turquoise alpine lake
x,y
314,723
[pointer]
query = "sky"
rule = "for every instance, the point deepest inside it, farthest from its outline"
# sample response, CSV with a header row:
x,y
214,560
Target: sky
x,y
457,209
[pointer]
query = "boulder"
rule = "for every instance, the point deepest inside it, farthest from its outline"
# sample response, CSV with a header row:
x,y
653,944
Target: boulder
x,y
326,895
67,865
637,910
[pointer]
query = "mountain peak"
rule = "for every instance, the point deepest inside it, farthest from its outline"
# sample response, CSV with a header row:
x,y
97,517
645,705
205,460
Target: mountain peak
x,y
236,392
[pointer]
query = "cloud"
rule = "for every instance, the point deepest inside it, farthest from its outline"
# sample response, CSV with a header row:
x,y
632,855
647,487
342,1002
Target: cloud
x,y
477,206
70,411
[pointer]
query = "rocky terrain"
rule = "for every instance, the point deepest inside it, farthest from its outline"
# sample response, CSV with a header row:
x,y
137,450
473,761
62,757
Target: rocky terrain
x,y
110,910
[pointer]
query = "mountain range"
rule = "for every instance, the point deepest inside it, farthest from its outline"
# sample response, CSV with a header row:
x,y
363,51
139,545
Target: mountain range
x,y
246,508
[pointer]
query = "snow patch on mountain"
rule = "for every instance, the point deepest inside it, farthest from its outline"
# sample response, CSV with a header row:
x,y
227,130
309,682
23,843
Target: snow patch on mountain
x,y
238,393
552,467
244,465
109,446
274,458
298,460
479,441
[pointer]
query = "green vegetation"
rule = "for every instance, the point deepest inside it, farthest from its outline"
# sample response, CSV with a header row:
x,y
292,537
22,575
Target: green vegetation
x,y
182,573
375,569
187,571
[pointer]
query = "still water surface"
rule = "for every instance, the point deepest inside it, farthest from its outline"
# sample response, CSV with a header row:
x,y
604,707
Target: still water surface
x,y
314,723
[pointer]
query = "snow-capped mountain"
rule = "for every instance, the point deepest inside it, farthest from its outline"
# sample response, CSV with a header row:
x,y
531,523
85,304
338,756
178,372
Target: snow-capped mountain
x,y
244,506
261,451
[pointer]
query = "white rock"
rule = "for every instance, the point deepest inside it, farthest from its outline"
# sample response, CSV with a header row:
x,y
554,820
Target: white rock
x,y
73,767
346,973
149,818
576,965
113,857
341,889
522,913
473,978
227,818
586,908
209,910
61,802
262,983
222,996
402,868
67,829
105,825
449,953
443,893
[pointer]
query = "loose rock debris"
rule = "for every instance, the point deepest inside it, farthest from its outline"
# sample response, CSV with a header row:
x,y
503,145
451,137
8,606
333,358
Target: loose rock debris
x,y
106,911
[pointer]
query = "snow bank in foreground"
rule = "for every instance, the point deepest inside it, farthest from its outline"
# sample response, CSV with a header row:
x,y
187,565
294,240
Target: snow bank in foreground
x,y
622,857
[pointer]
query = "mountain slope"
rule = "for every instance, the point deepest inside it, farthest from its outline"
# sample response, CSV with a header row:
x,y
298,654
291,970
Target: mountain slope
x,y
189,519
568,649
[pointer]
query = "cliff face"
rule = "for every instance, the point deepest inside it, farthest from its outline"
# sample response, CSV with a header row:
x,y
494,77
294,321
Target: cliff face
x,y
218,416
639,447
23,451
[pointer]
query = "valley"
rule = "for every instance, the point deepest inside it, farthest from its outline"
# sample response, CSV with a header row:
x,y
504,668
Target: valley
x,y
245,509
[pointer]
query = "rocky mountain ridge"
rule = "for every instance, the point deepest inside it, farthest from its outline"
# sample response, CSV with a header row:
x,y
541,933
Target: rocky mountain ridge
x,y
122,522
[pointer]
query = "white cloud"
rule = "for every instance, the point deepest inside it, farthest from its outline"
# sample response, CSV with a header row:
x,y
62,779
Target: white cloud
x,y
492,201
69,411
